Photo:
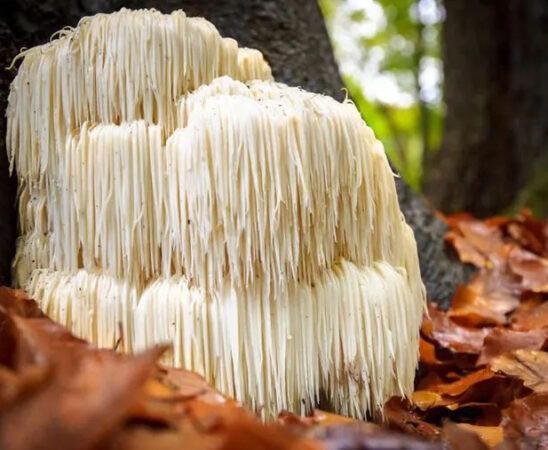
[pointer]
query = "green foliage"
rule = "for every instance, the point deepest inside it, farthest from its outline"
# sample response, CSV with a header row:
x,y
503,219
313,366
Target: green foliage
x,y
407,37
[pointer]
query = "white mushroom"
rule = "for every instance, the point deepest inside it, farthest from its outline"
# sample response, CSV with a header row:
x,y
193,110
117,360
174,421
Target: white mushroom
x,y
254,226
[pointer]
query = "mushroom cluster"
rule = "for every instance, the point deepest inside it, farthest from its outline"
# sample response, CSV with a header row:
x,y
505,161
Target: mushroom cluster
x,y
171,191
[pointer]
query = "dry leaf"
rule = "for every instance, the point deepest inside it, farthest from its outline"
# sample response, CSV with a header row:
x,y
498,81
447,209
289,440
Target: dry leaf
x,y
401,416
427,399
463,384
370,437
528,365
503,340
466,251
485,239
460,438
532,269
490,436
529,232
471,437
451,335
531,314
525,422
484,301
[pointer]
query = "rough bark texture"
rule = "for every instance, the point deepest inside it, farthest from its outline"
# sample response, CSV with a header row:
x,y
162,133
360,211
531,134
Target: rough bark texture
x,y
496,130
293,38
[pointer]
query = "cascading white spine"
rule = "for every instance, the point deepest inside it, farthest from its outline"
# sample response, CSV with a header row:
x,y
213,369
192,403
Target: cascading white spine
x,y
254,226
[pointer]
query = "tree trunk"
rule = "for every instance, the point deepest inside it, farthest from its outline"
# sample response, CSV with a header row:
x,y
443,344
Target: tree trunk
x,y
496,130
292,37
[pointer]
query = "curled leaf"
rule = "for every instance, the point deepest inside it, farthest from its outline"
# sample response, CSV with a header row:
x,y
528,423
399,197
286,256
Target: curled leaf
x,y
528,365
503,340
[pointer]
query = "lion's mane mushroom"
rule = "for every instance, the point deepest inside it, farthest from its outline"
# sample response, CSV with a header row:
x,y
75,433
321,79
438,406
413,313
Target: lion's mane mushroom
x,y
167,184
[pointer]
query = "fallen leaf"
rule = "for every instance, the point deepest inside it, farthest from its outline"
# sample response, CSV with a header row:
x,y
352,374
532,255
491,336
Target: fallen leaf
x,y
529,232
427,399
441,360
399,415
325,418
449,334
367,436
466,251
531,366
80,410
532,269
491,436
487,240
485,300
503,340
478,413
525,422
458,387
531,314
458,437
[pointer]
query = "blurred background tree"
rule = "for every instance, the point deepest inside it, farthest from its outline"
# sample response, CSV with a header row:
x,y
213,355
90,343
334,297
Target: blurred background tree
x,y
457,91
389,56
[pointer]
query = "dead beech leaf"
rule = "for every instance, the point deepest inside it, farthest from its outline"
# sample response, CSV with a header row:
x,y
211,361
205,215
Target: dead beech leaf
x,y
400,416
368,436
525,422
478,413
186,384
460,386
503,340
490,436
76,410
531,366
483,301
526,238
531,314
444,362
532,269
325,418
486,239
529,232
427,353
18,303
449,334
461,438
317,417
427,399
466,251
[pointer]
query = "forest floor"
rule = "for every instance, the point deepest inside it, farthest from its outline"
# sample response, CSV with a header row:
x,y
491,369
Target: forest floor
x,y
482,380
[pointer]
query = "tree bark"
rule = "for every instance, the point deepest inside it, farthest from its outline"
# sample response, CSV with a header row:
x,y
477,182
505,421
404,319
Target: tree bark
x,y
496,130
292,37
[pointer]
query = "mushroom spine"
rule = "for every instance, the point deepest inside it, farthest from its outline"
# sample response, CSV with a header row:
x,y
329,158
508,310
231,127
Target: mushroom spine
x,y
168,184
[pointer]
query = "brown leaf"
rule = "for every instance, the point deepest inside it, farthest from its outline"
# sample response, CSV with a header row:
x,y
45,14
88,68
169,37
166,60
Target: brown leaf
x,y
428,399
503,340
451,335
466,251
18,303
77,410
458,387
529,232
490,436
531,314
477,413
459,437
442,360
525,422
532,269
486,299
367,436
531,366
481,239
401,416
